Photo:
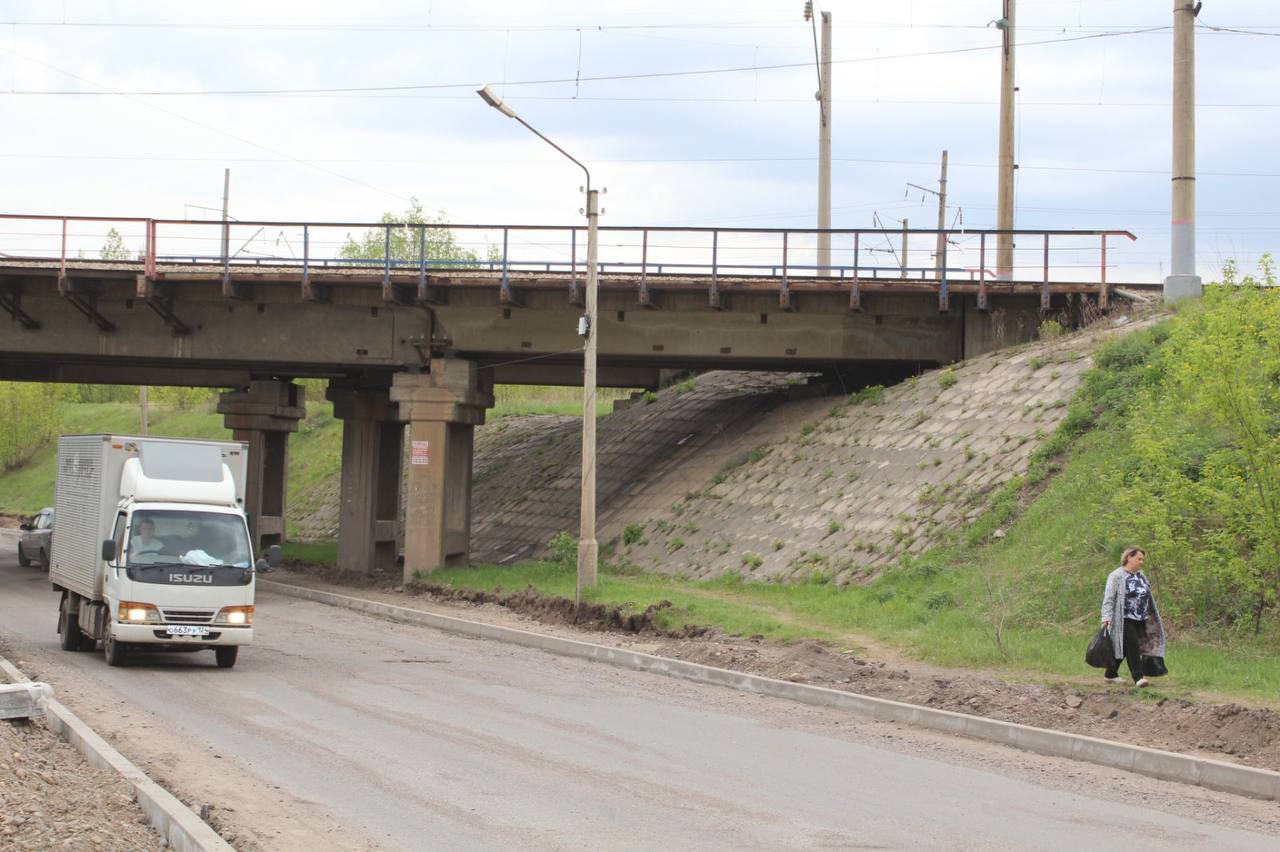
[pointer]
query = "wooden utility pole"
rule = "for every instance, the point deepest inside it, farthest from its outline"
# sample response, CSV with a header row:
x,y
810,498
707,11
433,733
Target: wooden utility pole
x,y
1183,281
940,252
144,407
1004,191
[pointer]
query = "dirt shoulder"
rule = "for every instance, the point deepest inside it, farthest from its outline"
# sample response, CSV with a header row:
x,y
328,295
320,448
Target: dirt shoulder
x,y
1226,731
51,798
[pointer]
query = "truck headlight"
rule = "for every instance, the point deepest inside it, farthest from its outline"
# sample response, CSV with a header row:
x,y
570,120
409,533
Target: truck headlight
x,y
133,612
235,616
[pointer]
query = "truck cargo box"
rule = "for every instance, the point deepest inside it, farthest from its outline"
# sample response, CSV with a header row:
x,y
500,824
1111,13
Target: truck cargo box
x,y
91,484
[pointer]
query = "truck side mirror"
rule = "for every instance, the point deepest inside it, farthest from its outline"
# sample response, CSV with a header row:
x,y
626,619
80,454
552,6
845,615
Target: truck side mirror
x,y
109,550
24,526
275,556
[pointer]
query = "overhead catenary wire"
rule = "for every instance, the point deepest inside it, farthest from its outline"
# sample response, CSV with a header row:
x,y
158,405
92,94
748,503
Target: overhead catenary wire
x,y
649,75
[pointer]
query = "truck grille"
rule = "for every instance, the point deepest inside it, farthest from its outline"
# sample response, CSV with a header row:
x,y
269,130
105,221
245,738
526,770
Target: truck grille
x,y
187,616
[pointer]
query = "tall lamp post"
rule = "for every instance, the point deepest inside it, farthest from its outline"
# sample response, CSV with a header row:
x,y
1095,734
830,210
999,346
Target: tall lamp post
x,y
588,548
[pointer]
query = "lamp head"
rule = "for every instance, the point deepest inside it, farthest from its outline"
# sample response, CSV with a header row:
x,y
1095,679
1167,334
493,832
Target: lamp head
x,y
808,10
496,102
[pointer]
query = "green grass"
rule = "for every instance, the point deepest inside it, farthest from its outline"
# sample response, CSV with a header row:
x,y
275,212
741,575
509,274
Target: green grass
x,y
548,399
317,553
315,459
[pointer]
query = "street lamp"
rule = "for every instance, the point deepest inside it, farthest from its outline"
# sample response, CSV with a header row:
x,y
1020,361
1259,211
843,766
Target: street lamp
x,y
588,548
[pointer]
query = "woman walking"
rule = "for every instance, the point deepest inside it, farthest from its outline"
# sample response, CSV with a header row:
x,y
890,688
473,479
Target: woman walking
x,y
1129,613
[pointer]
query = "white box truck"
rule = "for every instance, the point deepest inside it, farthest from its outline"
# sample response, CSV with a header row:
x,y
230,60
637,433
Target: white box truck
x,y
152,550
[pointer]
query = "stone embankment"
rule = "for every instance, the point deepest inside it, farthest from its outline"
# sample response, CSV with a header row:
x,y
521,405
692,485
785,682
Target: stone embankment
x,y
841,487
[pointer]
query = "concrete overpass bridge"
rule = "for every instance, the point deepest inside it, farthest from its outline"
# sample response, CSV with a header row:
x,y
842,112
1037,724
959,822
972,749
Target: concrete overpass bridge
x,y
413,323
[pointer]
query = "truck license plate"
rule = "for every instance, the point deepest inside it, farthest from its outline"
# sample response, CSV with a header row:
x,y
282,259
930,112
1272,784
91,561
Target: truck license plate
x,y
186,630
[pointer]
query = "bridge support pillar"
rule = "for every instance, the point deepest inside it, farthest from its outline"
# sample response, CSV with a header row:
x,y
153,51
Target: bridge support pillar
x,y
369,497
264,414
442,407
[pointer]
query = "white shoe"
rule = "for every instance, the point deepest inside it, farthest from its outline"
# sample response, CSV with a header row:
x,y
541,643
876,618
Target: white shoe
x,y
1116,679
1142,683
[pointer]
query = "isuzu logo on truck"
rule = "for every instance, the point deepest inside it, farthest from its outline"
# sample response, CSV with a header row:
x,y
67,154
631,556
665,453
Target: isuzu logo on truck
x,y
190,578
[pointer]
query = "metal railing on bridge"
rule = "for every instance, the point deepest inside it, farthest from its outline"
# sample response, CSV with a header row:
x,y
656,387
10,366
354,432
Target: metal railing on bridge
x,y
645,256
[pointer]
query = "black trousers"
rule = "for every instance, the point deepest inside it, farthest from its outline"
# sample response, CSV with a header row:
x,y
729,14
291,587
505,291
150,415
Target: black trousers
x,y
1134,631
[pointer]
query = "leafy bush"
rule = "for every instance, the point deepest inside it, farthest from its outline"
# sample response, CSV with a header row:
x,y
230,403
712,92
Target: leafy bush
x,y
947,378
564,549
939,600
752,560
1051,330
632,534
872,394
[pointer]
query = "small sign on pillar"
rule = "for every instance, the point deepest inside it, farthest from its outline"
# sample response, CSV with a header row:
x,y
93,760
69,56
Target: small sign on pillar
x,y
420,452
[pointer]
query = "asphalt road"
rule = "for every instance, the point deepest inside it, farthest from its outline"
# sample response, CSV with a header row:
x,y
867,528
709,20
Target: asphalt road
x,y
419,739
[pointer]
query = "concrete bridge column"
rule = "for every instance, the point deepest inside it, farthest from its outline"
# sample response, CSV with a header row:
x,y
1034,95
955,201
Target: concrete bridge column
x,y
264,414
369,500
442,407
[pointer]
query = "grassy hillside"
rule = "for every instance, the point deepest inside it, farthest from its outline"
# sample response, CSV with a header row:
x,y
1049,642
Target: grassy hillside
x,y
1173,444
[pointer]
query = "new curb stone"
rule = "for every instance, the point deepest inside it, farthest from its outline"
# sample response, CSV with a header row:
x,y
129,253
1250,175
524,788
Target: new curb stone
x,y
175,822
1166,765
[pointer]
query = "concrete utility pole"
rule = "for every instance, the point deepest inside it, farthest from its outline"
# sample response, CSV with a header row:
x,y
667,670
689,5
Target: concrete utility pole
x,y
940,252
905,228
226,226
1004,192
824,140
1183,282
588,547
824,150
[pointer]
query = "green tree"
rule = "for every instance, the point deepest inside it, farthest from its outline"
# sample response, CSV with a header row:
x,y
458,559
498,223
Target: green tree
x,y
30,417
113,248
1204,488
441,242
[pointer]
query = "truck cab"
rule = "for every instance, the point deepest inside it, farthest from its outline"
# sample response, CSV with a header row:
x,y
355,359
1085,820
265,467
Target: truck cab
x,y
180,575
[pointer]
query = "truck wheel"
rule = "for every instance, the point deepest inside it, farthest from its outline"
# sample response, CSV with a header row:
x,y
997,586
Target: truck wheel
x,y
227,655
22,557
68,624
114,651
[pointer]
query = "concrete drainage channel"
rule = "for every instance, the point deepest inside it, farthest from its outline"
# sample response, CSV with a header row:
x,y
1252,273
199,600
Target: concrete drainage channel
x,y
183,830
1165,765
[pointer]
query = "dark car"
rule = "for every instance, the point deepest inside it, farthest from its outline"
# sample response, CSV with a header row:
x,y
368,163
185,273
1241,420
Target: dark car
x,y
36,539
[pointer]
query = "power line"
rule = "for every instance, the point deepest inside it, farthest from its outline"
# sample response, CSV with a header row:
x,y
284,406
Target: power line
x,y
596,79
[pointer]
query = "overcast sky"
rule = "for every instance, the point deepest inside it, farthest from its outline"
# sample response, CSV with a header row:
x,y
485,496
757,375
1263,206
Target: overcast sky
x,y
735,147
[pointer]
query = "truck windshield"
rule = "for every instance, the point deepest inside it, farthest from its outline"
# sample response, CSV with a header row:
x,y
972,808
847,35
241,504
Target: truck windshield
x,y
187,538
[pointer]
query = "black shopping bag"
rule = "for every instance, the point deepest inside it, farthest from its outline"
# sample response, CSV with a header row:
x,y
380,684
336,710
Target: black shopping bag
x,y
1153,666
1100,653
